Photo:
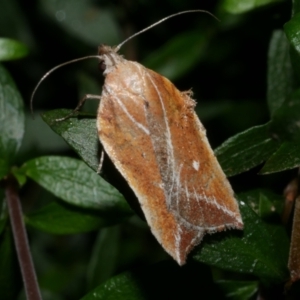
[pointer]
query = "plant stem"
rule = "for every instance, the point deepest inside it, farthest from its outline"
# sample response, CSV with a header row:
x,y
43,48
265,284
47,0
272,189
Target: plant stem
x,y
21,241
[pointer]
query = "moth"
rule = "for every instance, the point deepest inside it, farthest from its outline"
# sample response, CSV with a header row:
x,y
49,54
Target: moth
x,y
150,131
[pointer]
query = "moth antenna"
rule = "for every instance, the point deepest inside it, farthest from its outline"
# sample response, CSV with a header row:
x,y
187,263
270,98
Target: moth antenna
x,y
115,49
162,20
51,71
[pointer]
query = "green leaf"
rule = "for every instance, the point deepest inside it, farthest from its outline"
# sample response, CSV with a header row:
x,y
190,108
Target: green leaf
x,y
10,277
11,49
60,218
168,59
71,180
286,157
20,176
165,280
285,123
265,207
238,290
103,262
80,134
246,150
84,20
270,205
11,121
265,203
296,7
285,126
241,6
279,71
292,31
261,249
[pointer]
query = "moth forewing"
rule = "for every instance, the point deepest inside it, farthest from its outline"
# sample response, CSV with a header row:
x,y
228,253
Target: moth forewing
x,y
151,133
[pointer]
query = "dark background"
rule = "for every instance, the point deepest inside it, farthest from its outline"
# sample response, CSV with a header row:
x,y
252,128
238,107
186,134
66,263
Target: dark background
x,y
228,79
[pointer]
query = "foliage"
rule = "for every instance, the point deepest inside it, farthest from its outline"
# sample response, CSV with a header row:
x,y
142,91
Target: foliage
x,y
85,239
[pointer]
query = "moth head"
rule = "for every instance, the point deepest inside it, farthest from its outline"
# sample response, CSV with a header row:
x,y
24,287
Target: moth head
x,y
109,58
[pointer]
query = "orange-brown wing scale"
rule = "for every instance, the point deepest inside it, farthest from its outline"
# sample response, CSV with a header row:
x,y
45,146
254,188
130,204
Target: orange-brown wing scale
x,y
151,133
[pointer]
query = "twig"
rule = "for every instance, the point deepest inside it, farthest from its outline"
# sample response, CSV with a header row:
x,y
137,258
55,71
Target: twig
x,y
21,242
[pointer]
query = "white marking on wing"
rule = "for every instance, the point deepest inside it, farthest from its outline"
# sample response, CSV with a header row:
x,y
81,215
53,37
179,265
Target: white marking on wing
x,y
171,191
139,125
195,241
178,242
213,201
203,197
196,195
170,150
196,165
221,207
187,194
208,229
178,189
198,201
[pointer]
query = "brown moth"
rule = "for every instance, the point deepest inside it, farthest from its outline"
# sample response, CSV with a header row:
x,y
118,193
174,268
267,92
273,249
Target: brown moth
x,y
150,131
154,138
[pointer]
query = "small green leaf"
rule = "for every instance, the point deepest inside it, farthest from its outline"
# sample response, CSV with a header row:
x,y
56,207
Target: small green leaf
x,y
238,290
60,218
168,59
71,180
11,121
285,123
266,207
246,150
80,134
279,71
260,249
296,7
286,157
165,280
20,176
11,49
241,6
104,257
292,31
285,126
255,197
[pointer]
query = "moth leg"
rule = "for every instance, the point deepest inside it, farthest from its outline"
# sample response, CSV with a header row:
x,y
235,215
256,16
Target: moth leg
x,y
79,105
100,162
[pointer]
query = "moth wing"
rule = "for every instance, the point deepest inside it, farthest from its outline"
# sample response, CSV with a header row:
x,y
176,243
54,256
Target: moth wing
x,y
198,192
152,135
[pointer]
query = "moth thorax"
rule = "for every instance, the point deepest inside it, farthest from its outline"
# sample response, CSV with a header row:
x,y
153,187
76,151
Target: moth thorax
x,y
110,58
